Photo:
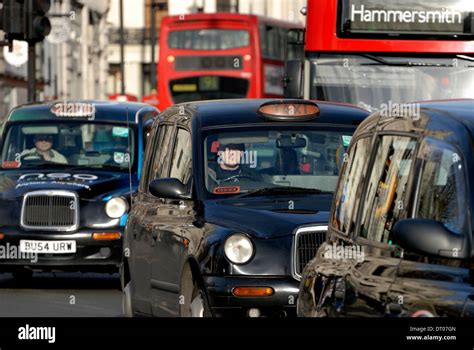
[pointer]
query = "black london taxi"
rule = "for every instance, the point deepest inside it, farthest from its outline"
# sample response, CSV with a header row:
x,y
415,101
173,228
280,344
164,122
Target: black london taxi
x,y
233,201
67,171
400,238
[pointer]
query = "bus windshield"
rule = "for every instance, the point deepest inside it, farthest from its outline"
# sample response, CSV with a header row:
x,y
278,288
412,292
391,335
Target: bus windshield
x,y
371,81
208,39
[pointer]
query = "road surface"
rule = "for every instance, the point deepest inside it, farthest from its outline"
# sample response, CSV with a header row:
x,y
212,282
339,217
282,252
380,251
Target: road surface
x,y
61,295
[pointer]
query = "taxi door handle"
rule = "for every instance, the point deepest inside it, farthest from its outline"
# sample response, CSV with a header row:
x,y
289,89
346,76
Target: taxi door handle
x,y
154,232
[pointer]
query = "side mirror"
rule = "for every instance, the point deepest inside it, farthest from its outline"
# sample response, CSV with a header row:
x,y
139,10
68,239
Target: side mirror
x,y
170,188
430,237
292,82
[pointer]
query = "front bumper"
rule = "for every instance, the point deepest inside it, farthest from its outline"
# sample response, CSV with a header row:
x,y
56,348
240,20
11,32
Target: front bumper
x,y
90,255
224,303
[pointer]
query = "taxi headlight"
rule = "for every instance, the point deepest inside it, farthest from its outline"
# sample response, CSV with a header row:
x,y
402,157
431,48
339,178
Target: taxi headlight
x,y
238,248
116,207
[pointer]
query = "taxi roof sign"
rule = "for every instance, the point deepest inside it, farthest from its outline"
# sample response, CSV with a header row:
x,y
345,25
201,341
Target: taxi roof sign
x,y
289,110
73,109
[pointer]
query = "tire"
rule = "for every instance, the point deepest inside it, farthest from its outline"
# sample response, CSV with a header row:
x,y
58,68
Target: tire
x,y
127,309
193,296
22,276
199,306
122,279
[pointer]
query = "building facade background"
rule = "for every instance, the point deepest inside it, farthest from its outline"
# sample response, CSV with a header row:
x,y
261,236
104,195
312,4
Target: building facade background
x,y
71,62
137,32
80,59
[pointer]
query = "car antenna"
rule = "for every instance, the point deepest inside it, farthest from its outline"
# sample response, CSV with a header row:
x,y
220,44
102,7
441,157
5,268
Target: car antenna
x,y
129,161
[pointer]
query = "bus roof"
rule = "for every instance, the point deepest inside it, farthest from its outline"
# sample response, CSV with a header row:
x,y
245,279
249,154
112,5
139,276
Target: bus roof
x,y
225,16
322,36
111,111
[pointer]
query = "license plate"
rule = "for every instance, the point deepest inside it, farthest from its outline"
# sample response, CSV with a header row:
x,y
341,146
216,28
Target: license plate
x,y
47,247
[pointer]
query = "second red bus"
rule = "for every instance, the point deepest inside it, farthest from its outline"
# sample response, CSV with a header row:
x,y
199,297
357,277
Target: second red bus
x,y
219,56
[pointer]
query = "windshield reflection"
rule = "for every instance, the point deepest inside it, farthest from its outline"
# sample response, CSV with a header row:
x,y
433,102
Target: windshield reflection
x,y
371,81
73,144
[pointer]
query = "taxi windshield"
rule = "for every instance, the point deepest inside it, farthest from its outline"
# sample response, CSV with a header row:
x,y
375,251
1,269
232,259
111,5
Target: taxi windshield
x,y
265,159
76,144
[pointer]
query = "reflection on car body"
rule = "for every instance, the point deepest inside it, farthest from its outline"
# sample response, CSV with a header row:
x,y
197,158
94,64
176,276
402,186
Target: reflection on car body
x,y
232,204
405,202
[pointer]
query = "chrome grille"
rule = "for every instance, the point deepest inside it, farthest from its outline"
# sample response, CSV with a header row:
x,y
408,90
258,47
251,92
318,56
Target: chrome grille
x,y
50,211
305,245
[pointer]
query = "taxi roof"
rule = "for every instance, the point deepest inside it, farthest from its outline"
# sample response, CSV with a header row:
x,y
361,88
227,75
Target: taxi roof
x,y
244,111
438,116
113,111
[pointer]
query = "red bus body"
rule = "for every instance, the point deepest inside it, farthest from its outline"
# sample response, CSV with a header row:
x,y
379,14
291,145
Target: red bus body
x,y
259,73
151,99
322,36
375,66
123,98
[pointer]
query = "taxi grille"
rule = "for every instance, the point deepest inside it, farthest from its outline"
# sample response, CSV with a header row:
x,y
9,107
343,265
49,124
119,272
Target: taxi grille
x,y
306,243
50,211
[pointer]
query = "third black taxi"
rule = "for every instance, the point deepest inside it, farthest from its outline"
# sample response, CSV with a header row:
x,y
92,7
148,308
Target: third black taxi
x,y
234,200
400,238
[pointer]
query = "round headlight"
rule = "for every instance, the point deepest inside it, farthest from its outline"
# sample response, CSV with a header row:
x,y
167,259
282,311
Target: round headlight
x,y
116,207
238,248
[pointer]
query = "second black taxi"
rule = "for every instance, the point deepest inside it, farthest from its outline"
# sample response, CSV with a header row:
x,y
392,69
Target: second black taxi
x,y
233,202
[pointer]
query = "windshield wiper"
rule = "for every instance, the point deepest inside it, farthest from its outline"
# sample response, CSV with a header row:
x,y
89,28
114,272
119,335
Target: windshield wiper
x,y
384,62
105,166
274,191
71,167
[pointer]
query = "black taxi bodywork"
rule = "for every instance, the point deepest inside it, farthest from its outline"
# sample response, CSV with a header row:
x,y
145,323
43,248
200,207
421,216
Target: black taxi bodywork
x,y
54,211
183,227
400,239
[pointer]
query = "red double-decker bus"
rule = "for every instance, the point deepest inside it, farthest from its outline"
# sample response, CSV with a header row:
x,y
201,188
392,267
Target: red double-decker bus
x,y
370,52
218,56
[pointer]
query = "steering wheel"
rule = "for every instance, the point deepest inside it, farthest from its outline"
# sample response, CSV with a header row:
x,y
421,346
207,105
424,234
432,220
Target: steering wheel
x,y
31,159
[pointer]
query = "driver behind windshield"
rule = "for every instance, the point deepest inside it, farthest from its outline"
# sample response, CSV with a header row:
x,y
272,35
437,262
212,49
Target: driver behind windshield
x,y
229,158
230,167
44,150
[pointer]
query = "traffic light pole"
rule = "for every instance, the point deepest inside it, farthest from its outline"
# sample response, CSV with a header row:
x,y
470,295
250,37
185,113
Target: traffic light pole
x,y
153,45
122,49
31,72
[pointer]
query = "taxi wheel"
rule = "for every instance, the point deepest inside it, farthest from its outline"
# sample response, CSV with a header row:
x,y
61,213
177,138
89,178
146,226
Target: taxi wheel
x,y
127,301
193,300
22,276
199,306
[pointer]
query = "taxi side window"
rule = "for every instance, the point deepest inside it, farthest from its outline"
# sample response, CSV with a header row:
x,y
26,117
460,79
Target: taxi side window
x,y
350,185
164,143
146,134
182,157
385,199
442,187
148,156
